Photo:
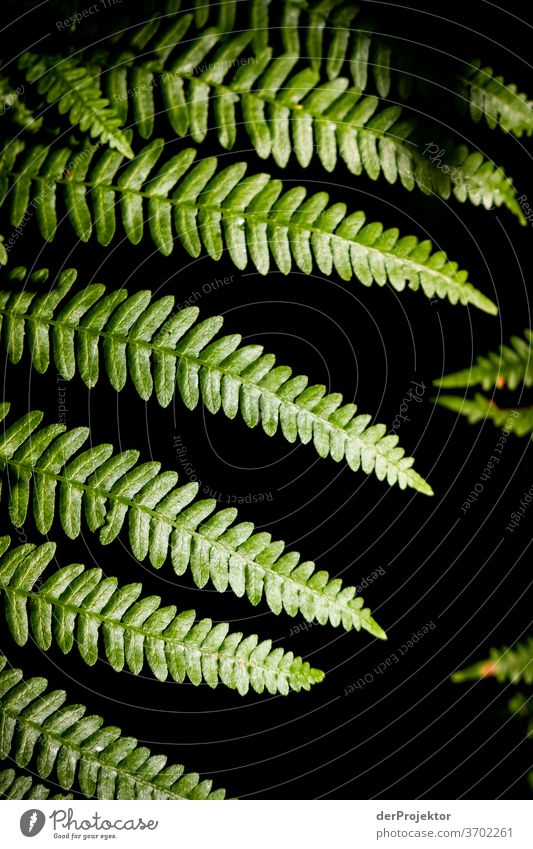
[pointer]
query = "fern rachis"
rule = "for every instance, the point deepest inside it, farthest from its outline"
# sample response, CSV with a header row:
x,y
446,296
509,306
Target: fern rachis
x,y
510,367
517,420
76,90
75,605
251,216
36,723
160,349
163,521
303,116
336,35
507,664
13,786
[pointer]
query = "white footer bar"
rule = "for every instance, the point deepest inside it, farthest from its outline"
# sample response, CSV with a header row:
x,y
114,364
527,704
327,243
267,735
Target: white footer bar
x,y
269,824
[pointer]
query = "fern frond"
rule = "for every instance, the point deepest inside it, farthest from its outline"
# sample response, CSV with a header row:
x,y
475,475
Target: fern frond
x,y
252,217
331,34
79,606
506,664
517,420
164,521
153,42
490,97
78,749
13,786
512,366
75,89
338,36
3,252
521,706
160,349
285,113
12,105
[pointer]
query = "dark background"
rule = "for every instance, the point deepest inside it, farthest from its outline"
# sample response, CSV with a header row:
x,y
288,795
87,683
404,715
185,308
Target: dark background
x,y
409,732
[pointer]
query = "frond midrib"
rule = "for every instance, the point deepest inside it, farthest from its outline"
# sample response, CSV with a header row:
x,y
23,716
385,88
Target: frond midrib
x,y
98,115
198,359
187,646
261,94
357,612
419,268
476,182
85,754
505,107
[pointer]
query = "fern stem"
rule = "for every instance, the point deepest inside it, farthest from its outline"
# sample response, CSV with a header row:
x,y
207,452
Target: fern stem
x,y
215,544
450,281
163,522
105,764
227,375
298,678
204,361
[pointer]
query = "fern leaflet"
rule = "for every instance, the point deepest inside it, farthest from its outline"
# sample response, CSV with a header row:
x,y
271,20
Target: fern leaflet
x,y
500,103
76,605
76,91
36,723
158,349
252,216
517,420
337,36
13,786
506,664
12,104
511,367
163,521
286,113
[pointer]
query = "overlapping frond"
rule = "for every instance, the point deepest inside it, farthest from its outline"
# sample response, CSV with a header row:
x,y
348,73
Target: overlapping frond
x,y
75,89
12,105
490,97
518,420
79,751
219,82
163,351
512,366
164,521
335,35
331,35
506,664
13,786
78,606
252,217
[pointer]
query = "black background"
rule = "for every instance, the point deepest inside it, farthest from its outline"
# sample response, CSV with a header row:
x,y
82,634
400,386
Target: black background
x,y
408,733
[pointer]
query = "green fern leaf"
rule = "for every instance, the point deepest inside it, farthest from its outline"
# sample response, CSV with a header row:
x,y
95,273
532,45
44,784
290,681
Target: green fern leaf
x,y
488,96
62,740
517,420
164,521
252,216
505,664
334,34
511,367
286,113
75,90
13,105
13,786
159,348
78,606
338,35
